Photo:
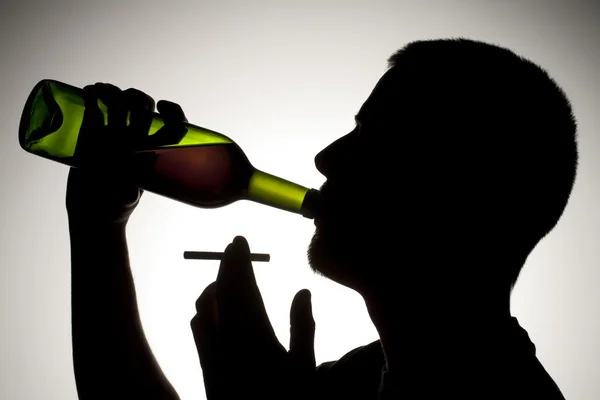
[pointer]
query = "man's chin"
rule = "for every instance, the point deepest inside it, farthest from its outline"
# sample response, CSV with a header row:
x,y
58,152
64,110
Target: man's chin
x,y
326,260
317,253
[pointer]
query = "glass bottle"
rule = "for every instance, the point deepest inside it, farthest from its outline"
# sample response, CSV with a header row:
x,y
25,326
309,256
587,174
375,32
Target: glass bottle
x,y
196,166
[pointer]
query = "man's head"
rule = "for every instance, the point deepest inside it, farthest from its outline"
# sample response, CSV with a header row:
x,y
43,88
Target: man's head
x,y
464,152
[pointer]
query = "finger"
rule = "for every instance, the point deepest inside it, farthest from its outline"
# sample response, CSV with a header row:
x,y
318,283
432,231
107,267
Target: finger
x,y
93,119
207,302
139,100
116,108
173,129
106,178
171,112
204,327
141,107
110,102
91,100
116,142
236,267
93,116
302,331
240,304
204,324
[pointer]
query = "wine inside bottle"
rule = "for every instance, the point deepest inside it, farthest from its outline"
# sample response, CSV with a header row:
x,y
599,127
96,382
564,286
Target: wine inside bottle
x,y
202,168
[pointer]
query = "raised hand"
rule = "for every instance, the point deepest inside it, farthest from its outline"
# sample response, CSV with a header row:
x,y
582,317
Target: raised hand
x,y
104,188
239,353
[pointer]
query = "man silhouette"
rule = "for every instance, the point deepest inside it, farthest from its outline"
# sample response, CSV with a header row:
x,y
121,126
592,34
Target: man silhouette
x,y
463,158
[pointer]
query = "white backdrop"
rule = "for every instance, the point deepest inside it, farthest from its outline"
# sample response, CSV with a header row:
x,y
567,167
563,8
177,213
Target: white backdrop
x,y
284,79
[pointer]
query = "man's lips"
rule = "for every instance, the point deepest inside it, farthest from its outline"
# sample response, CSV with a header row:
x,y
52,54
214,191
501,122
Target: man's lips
x,y
318,222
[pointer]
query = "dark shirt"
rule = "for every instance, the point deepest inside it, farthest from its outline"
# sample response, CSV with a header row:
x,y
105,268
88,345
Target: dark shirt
x,y
514,372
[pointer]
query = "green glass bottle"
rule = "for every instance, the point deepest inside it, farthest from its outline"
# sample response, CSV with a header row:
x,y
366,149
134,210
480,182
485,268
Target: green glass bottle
x,y
201,167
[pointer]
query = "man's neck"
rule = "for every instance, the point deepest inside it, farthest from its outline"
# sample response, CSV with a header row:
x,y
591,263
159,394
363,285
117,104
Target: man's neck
x,y
434,325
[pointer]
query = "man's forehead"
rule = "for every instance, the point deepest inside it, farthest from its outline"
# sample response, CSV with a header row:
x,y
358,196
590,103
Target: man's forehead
x,y
380,95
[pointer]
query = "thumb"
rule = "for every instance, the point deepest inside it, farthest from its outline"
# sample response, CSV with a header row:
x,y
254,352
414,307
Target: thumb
x,y
302,331
206,337
205,328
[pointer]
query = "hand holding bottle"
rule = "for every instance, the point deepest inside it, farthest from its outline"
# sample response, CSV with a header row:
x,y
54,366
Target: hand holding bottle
x,y
239,353
165,154
104,190
111,356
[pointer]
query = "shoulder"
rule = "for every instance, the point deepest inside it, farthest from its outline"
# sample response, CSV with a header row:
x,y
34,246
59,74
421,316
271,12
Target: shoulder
x,y
515,367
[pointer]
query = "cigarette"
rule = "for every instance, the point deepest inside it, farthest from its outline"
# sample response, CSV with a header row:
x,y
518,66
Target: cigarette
x,y
215,255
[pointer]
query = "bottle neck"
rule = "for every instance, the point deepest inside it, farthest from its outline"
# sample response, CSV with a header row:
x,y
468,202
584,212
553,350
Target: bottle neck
x,y
276,192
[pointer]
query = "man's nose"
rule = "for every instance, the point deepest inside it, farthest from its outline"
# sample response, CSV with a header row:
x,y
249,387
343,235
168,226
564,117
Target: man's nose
x,y
320,161
330,158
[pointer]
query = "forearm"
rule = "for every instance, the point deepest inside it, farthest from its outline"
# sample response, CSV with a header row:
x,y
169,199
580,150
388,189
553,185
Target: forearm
x,y
110,352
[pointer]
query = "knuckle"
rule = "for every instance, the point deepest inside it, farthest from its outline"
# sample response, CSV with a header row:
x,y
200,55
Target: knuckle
x,y
139,99
198,304
113,88
194,321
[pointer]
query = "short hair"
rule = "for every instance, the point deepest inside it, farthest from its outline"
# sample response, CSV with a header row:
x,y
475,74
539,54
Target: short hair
x,y
509,117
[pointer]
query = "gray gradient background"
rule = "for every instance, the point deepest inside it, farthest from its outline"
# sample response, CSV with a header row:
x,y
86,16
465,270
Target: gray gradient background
x,y
284,79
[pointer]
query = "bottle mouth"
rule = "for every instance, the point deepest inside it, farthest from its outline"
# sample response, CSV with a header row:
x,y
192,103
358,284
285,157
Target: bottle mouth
x,y
41,116
312,204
